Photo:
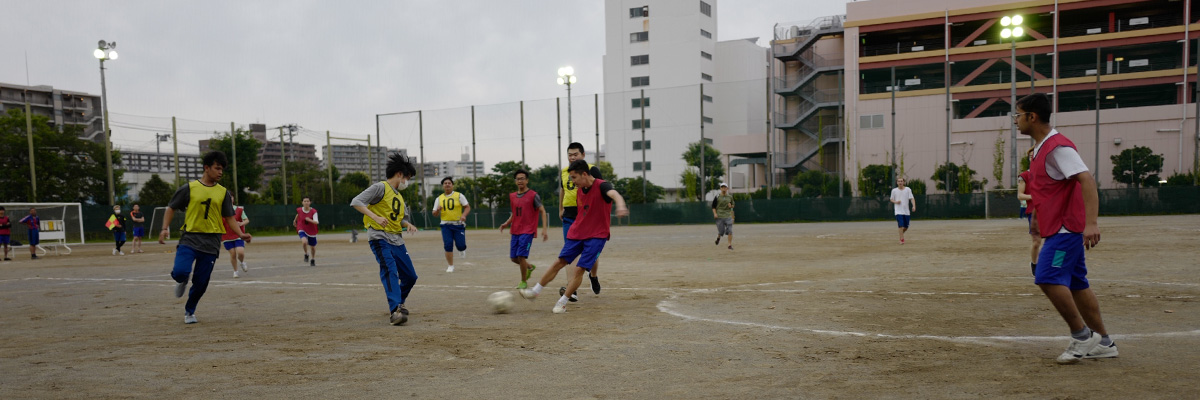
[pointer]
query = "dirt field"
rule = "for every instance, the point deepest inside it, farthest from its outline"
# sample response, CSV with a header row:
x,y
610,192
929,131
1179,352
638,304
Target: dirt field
x,y
830,310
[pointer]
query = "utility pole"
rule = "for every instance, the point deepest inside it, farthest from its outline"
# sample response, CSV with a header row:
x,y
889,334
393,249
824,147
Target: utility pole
x,y
597,150
329,161
283,165
233,146
523,132
703,145
29,138
175,139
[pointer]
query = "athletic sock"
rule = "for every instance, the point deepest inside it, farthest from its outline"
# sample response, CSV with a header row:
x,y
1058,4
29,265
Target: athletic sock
x,y
1033,268
537,288
1082,334
1105,341
562,301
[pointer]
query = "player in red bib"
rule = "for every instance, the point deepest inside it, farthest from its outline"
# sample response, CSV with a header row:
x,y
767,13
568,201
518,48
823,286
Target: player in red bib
x,y
306,226
234,243
1066,203
526,209
587,235
5,233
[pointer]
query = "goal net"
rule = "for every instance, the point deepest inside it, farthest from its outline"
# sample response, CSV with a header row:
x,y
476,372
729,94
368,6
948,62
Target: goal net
x,y
61,223
1001,203
155,226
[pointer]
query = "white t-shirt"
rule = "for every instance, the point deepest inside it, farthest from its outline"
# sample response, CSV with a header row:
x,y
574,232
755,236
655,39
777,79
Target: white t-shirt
x,y
1062,163
905,196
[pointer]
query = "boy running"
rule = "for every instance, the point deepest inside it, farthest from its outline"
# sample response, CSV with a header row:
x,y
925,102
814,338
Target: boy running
x,y
235,244
526,207
118,229
453,208
722,207
5,232
568,210
1066,204
383,209
138,230
32,222
588,233
306,225
902,197
205,204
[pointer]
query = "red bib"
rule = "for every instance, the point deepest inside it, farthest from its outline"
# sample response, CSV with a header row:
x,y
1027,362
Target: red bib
x,y
525,215
1059,203
593,219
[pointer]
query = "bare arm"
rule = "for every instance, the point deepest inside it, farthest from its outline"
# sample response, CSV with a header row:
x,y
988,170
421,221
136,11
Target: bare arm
x,y
1021,191
1091,206
236,228
166,226
545,223
371,214
506,223
466,210
622,211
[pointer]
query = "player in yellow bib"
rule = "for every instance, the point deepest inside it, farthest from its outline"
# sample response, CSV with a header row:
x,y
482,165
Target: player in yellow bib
x,y
383,212
205,204
568,210
452,208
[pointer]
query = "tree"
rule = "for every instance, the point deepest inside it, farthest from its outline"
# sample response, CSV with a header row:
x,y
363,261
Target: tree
x,y
631,189
155,193
918,187
962,179
507,168
545,182
607,171
69,169
249,172
1137,167
690,181
815,183
712,167
875,180
1178,179
998,162
360,180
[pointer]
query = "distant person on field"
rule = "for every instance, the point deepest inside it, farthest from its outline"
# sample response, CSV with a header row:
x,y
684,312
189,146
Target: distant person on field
x,y
527,208
32,222
136,220
5,232
306,226
902,197
452,208
1031,220
234,244
118,229
383,211
205,203
1066,203
722,206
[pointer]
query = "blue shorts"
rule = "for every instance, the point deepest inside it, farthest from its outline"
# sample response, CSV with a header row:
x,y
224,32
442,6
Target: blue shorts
x,y
1061,262
119,236
1024,214
567,226
589,248
34,237
5,239
139,232
519,245
312,240
230,244
454,236
902,220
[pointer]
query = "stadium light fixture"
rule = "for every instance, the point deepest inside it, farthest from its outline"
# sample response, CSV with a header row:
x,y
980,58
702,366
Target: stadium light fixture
x,y
106,51
566,76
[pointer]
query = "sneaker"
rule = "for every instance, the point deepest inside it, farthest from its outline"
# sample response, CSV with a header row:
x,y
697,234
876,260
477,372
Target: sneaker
x,y
595,284
121,252
189,319
33,256
450,268
7,259
312,262
528,294
718,241
573,298
242,265
463,254
1102,351
529,272
235,274
559,308
1080,348
522,285
305,257
731,247
398,317
114,252
179,288
901,241
403,310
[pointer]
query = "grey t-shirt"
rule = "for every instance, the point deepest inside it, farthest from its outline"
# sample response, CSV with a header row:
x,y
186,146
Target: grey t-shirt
x,y
374,194
537,198
209,243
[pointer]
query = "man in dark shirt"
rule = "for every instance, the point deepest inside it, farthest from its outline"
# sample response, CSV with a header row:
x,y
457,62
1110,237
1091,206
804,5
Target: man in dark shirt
x,y
118,229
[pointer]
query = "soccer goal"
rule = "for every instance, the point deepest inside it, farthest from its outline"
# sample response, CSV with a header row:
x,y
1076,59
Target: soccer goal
x,y
1001,203
61,224
152,230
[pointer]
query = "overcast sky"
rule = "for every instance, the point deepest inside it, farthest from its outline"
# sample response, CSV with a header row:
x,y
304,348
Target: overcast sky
x,y
328,65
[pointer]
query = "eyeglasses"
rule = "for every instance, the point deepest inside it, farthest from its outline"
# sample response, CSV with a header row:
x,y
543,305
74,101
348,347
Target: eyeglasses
x,y
1015,115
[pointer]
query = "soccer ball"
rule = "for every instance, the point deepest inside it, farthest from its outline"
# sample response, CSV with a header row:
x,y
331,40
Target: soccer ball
x,y
500,302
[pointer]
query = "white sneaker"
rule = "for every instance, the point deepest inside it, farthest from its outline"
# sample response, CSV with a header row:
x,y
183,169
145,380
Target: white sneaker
x,y
559,308
1079,348
527,294
1102,351
190,319
450,269
463,253
114,252
242,264
121,252
235,274
180,288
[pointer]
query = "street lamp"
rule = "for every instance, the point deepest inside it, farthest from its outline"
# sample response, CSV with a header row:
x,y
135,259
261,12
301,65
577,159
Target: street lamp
x,y
106,51
566,76
1012,31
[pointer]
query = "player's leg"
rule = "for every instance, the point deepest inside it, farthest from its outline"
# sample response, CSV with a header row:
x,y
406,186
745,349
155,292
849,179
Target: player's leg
x,y
405,271
720,230
304,244
312,248
201,274
447,245
594,277
388,275
460,239
572,286
729,232
232,256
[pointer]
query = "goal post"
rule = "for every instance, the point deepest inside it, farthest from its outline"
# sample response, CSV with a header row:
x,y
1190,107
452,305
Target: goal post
x,y
155,227
1001,203
61,224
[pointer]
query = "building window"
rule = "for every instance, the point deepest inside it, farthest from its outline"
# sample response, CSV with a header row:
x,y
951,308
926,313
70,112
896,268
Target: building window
x,y
638,12
705,34
639,37
637,166
637,123
637,145
707,120
639,60
706,98
639,102
705,55
640,81
870,121
705,9
706,77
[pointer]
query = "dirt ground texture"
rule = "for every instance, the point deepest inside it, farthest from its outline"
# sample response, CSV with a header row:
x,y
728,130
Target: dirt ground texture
x,y
816,310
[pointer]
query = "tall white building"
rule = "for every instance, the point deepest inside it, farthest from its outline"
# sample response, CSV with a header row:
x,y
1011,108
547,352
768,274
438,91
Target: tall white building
x,y
668,50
